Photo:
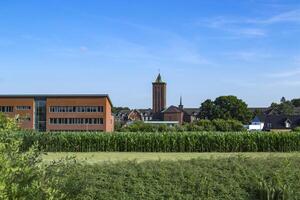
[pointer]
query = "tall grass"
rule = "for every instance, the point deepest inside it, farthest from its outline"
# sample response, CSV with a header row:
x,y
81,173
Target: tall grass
x,y
164,142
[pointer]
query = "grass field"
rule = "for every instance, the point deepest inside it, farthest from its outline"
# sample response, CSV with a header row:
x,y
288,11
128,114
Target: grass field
x,y
99,157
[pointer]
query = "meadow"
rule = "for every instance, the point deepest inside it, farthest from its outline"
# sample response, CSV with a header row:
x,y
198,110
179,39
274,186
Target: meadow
x,y
113,157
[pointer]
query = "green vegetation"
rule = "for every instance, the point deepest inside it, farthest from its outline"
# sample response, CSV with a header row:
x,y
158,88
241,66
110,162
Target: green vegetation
x,y
101,157
225,107
229,178
8,124
22,175
115,110
201,125
25,176
285,107
164,142
296,102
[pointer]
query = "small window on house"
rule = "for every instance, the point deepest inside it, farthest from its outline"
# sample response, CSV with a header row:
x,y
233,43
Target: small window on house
x,y
269,125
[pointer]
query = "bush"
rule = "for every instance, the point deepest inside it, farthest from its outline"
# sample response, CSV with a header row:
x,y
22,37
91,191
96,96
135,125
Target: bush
x,y
297,129
22,174
232,178
206,125
8,124
164,142
201,125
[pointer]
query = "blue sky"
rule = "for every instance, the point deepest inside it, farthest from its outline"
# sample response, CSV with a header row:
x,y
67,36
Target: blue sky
x,y
203,49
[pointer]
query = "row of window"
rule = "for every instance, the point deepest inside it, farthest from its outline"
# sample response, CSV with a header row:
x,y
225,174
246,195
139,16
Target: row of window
x,y
76,109
6,109
68,121
23,107
23,119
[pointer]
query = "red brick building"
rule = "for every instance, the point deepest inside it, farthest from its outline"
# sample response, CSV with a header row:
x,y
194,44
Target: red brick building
x,y
60,112
172,113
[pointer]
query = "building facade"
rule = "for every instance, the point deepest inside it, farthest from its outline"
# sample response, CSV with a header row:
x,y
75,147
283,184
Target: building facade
x,y
60,112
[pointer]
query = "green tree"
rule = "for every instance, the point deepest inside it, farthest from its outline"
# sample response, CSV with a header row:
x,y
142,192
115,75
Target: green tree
x,y
283,108
115,110
225,107
296,102
207,110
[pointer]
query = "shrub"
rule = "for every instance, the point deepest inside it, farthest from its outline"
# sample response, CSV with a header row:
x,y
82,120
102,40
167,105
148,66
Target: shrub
x,y
8,124
22,174
221,125
228,178
201,125
297,129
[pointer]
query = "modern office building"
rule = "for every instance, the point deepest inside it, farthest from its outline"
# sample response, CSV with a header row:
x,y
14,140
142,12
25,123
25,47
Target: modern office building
x,y
60,112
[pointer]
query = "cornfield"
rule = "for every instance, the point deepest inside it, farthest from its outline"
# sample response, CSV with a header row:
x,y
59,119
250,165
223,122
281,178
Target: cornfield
x,y
163,142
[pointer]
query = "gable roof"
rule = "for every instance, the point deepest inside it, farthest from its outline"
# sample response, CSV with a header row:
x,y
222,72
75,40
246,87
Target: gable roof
x,y
278,121
172,109
191,111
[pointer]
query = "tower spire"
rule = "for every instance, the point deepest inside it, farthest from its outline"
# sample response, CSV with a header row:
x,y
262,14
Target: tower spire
x,y
180,103
158,79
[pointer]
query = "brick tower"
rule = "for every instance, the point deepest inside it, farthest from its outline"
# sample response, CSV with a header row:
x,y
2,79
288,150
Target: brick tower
x,y
159,89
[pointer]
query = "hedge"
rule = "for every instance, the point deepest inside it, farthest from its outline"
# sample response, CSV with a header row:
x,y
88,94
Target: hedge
x,y
164,142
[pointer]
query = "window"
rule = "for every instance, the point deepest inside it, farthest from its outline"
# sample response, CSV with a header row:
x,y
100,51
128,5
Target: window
x,y
287,124
86,121
23,119
23,107
269,125
6,109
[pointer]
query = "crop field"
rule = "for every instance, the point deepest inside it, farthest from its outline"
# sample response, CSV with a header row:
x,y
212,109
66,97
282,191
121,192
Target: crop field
x,y
100,157
164,142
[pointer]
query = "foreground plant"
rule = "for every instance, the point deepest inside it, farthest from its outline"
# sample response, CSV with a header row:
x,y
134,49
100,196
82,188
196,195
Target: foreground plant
x,y
22,174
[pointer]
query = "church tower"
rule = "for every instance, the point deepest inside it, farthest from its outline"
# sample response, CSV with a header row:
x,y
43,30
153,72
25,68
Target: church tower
x,y
180,106
159,96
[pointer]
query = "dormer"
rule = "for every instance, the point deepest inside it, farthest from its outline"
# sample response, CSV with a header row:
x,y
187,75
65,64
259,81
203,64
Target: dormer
x,y
287,123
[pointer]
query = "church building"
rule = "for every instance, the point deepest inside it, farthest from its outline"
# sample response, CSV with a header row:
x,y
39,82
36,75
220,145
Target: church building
x,y
160,113
172,113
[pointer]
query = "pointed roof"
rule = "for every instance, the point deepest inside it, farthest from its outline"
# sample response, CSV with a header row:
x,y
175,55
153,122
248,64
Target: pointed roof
x,y
180,101
159,79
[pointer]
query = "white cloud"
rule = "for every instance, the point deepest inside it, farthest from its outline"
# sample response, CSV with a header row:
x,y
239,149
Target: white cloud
x,y
251,32
238,27
286,73
248,55
289,16
250,27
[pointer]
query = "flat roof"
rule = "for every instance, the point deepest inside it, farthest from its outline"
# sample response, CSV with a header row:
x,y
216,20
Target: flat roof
x,y
55,96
